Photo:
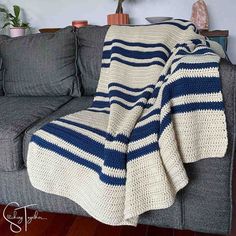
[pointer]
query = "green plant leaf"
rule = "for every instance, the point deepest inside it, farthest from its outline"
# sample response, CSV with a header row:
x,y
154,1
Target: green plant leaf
x,y
16,23
14,19
3,10
5,25
9,15
25,25
16,11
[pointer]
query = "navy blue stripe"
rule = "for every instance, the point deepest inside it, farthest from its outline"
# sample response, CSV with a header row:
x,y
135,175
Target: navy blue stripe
x,y
135,44
68,155
145,130
118,138
127,107
100,94
105,65
134,54
166,22
208,43
115,159
81,141
100,104
195,66
127,97
133,98
143,151
183,27
131,89
196,41
183,45
155,93
112,180
77,139
189,108
176,60
183,20
152,113
196,52
135,64
82,126
197,106
188,86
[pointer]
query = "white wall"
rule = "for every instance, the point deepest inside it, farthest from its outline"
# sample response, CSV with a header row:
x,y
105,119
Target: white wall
x,y
59,13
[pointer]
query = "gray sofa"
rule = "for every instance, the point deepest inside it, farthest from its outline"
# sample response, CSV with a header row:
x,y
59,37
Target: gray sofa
x,y
46,76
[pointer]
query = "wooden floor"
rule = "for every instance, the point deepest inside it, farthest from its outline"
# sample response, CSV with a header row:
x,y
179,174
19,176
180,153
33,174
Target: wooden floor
x,y
70,225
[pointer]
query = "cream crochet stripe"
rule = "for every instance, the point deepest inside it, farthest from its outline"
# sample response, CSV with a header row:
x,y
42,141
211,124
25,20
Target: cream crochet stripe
x,y
158,105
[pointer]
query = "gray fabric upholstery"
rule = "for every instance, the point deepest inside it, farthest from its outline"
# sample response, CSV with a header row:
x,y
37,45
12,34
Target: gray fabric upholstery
x,y
2,38
16,187
168,218
90,40
16,115
41,64
205,205
74,105
1,80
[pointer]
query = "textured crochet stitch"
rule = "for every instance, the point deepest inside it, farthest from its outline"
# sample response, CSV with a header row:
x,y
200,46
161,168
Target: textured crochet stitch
x,y
158,105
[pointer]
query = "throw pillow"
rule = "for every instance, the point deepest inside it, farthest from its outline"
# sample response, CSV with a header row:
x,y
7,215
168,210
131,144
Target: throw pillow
x,y
41,64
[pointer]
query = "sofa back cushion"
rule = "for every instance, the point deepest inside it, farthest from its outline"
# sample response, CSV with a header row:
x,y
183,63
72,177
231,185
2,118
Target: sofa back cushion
x,y
90,42
2,38
41,64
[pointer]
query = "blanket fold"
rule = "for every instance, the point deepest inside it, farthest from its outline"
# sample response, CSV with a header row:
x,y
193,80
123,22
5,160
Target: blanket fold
x,y
158,105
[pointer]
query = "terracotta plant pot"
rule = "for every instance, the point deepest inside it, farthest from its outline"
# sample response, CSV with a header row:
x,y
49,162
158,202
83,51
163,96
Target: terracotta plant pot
x,y
17,32
118,19
79,23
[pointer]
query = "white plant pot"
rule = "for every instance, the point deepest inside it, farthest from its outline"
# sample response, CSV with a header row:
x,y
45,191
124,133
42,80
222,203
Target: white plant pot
x,y
17,31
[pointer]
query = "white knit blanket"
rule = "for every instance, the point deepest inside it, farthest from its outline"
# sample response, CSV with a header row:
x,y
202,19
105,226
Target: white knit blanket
x,y
158,105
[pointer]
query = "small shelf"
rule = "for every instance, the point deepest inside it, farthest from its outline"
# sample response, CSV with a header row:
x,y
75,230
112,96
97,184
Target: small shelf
x,y
219,36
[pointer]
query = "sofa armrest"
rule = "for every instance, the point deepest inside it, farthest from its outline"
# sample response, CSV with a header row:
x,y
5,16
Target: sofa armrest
x,y
228,80
228,75
207,200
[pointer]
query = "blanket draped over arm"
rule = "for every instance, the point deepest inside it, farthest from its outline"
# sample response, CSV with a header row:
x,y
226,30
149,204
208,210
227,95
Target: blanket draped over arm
x,y
158,105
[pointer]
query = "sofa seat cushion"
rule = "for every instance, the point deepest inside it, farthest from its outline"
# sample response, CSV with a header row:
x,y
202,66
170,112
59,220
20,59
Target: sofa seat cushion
x,y
74,105
16,115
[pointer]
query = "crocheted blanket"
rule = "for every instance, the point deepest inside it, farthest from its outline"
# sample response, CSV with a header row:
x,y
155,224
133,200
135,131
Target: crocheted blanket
x,y
158,105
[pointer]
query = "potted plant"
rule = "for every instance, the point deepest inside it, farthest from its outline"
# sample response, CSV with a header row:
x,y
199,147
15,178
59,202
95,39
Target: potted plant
x,y
119,18
13,19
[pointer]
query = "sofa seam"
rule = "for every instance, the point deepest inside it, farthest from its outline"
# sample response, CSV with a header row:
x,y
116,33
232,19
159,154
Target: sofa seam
x,y
232,155
77,71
